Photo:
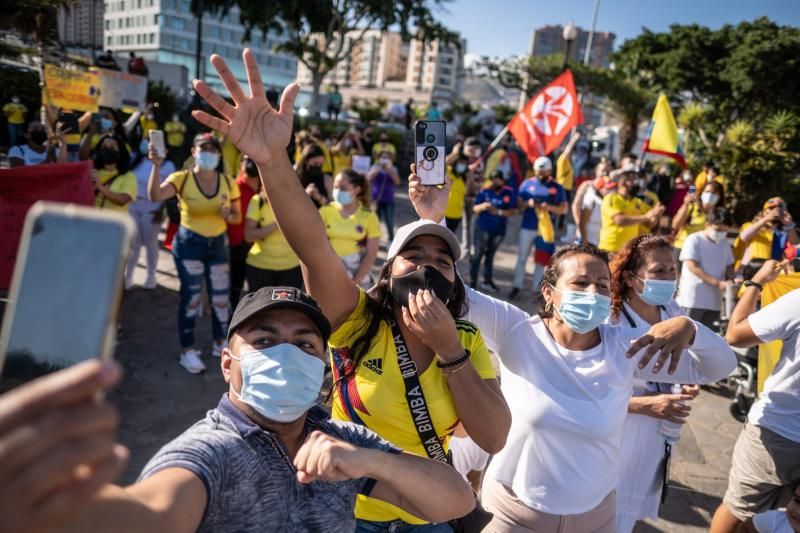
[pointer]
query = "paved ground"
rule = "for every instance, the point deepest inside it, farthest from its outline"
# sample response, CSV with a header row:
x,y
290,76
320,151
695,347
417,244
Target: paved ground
x,y
159,400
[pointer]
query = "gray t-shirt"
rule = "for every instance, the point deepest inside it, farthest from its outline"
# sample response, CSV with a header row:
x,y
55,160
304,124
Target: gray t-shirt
x,y
250,481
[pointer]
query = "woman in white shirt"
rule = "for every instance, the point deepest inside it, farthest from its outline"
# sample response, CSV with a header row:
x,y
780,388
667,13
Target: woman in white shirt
x,y
643,280
568,378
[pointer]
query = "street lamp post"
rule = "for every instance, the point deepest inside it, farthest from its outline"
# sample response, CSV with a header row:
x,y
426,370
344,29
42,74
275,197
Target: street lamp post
x,y
569,34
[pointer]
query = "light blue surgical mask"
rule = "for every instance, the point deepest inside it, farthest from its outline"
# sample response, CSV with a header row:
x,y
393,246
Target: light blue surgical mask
x,y
207,160
658,291
106,124
583,311
343,197
709,198
280,382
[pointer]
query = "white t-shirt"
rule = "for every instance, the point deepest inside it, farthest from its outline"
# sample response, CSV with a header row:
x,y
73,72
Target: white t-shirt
x,y
28,154
712,258
142,173
592,200
467,456
567,407
778,407
774,521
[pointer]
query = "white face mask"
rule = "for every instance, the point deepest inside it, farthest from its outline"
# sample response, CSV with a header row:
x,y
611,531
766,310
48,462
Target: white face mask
x,y
717,236
280,382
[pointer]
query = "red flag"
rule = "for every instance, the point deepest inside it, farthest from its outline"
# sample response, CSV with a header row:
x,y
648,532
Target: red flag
x,y
22,186
547,118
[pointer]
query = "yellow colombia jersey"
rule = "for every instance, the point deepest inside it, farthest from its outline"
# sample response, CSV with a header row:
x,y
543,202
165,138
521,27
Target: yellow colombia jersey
x,y
612,237
695,221
349,235
644,205
201,213
119,183
455,202
271,252
760,246
375,396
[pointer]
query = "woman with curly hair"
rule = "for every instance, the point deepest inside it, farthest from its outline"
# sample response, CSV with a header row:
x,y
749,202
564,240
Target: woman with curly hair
x,y
643,281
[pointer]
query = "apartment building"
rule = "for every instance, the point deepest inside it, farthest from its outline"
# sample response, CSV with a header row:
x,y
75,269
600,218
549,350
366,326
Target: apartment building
x,y
165,31
80,24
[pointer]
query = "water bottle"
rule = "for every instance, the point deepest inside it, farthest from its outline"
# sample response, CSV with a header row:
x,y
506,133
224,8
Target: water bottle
x,y
672,430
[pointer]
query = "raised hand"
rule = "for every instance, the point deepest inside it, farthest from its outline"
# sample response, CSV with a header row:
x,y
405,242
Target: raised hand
x,y
429,201
252,124
429,319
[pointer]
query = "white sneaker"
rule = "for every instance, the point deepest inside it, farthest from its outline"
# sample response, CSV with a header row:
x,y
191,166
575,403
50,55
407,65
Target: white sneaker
x,y
216,349
150,283
191,362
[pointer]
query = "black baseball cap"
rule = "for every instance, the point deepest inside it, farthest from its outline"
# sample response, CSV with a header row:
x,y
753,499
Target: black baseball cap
x,y
278,298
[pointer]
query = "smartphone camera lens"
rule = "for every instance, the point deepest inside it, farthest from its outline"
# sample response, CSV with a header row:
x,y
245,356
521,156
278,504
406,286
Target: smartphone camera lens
x,y
430,153
430,138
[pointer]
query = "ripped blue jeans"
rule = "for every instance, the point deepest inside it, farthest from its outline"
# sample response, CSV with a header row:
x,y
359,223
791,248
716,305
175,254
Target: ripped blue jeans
x,y
198,259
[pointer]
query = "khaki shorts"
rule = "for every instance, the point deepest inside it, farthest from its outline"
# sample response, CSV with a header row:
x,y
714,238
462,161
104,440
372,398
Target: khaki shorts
x,y
765,468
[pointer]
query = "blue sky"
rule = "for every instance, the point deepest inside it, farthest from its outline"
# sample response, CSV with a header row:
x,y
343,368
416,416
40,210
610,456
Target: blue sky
x,y
503,27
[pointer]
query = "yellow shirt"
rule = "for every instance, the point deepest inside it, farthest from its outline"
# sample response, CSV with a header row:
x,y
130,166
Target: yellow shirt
x,y
702,178
176,133
564,173
119,183
379,147
349,235
644,206
271,252
761,245
695,221
612,236
455,202
327,166
16,112
341,161
147,125
201,213
374,395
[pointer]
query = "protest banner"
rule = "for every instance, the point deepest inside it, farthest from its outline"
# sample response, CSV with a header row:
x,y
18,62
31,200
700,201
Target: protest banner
x,y
120,90
70,89
21,187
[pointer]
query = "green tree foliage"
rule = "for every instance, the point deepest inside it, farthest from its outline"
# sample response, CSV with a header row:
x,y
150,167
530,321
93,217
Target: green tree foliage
x,y
738,88
314,27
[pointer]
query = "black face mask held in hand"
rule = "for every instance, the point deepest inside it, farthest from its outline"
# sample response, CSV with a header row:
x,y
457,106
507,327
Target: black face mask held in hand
x,y
426,277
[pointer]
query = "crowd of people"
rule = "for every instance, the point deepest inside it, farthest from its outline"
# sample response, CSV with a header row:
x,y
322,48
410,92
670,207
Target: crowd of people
x,y
449,409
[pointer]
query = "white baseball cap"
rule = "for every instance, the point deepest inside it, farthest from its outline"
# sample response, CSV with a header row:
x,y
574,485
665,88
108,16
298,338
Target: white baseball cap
x,y
406,233
542,163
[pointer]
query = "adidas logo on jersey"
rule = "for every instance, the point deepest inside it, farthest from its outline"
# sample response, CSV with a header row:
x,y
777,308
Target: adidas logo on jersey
x,y
376,365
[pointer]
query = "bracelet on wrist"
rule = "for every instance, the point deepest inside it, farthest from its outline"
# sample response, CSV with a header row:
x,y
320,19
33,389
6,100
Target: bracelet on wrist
x,y
450,371
454,362
751,283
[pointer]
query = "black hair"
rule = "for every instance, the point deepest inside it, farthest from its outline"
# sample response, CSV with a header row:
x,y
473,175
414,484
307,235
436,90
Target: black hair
x,y
378,308
472,141
357,179
553,270
124,159
719,215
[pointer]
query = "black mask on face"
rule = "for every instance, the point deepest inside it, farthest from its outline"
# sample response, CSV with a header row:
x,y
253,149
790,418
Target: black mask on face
x,y
251,169
107,156
38,136
426,277
314,172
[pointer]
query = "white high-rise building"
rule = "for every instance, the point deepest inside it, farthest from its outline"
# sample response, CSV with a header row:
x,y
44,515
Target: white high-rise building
x,y
165,31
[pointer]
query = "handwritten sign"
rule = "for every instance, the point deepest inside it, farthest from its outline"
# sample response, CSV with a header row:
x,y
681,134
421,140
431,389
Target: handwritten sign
x,y
70,89
120,90
21,187
361,164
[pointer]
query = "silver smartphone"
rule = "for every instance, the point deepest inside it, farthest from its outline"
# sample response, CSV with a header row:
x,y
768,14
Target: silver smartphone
x,y
65,292
430,154
157,138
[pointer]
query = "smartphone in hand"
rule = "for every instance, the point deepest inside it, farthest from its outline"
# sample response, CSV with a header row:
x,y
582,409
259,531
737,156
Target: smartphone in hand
x,y
157,138
430,154
65,291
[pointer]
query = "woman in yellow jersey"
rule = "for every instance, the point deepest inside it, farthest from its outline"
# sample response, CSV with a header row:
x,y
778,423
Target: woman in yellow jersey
x,y
457,171
209,201
348,145
353,229
406,329
115,184
621,215
691,216
768,234
271,261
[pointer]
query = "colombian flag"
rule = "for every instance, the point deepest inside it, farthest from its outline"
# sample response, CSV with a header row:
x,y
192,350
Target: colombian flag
x,y
662,136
